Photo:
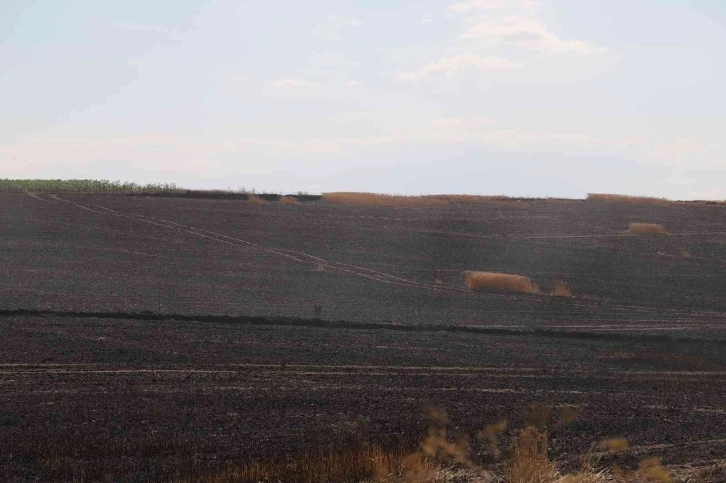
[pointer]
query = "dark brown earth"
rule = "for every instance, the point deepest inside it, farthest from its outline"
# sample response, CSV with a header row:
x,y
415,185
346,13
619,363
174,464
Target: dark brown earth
x,y
124,398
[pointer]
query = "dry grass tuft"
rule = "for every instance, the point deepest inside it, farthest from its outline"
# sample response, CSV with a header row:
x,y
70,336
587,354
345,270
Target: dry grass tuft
x,y
289,200
614,198
685,254
492,282
654,471
529,462
375,199
561,290
647,229
256,199
441,460
615,444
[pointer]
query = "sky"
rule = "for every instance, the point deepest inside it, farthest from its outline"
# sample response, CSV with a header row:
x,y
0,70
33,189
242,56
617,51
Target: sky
x,y
514,97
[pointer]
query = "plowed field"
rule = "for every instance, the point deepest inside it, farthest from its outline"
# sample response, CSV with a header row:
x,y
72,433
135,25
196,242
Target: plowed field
x,y
345,322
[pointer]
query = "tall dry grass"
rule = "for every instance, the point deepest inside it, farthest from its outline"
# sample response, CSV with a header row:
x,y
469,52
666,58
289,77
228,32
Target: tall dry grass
x,y
440,459
615,198
647,229
493,282
375,199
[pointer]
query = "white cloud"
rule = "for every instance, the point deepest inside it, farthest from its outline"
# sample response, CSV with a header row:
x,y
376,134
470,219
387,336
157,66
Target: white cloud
x,y
454,65
352,83
460,122
469,5
341,22
332,26
527,33
427,18
295,83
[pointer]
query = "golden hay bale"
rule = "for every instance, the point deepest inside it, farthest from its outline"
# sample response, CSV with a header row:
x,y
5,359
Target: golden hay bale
x,y
647,229
493,282
289,200
375,199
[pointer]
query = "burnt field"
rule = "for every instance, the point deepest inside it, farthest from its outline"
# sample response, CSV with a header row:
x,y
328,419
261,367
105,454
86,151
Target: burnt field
x,y
344,323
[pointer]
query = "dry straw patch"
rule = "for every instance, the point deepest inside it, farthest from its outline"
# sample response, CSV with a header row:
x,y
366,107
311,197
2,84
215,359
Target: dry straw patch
x,y
289,200
615,198
561,290
439,459
375,199
493,282
256,199
647,229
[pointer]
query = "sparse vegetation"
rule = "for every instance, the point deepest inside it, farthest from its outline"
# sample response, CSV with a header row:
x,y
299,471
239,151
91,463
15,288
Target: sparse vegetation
x,y
493,282
440,459
252,198
480,199
647,229
335,466
375,199
289,200
615,198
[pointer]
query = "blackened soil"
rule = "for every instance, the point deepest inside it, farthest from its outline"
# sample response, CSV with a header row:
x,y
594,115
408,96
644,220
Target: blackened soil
x,y
155,398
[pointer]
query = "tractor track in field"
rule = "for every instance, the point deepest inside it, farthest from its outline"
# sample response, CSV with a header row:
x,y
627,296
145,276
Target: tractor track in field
x,y
289,254
545,332
382,277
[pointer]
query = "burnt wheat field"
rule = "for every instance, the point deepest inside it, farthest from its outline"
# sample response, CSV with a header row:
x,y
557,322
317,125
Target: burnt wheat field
x,y
154,338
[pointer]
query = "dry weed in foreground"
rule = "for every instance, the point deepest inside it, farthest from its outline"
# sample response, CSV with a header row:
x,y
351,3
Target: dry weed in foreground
x,y
529,462
615,444
685,254
439,460
614,198
353,465
493,282
647,229
375,199
289,200
561,290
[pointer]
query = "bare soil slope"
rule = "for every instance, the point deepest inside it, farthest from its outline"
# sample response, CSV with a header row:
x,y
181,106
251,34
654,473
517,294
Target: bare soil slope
x,y
128,396
131,254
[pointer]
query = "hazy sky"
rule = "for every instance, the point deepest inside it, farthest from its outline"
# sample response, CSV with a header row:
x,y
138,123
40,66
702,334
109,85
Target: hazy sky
x,y
518,97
